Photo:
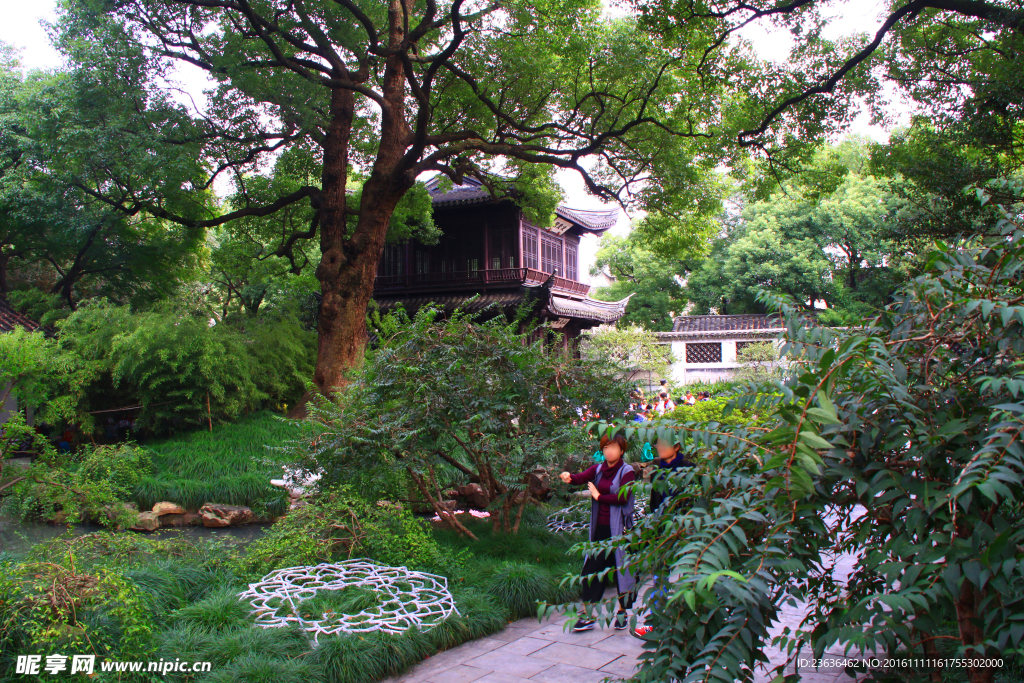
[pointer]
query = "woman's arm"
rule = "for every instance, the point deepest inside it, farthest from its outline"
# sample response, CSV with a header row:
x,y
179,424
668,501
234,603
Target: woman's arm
x,y
622,496
584,476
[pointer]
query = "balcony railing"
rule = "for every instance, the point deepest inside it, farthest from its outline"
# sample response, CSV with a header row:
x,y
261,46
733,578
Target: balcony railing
x,y
462,279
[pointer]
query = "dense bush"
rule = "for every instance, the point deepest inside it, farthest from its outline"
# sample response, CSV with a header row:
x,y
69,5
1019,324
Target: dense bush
x,y
182,369
899,443
88,485
718,409
446,402
337,524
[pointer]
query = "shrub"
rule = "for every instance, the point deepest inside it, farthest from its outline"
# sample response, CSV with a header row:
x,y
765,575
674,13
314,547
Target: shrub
x,y
86,486
180,368
721,410
218,611
898,442
446,401
50,607
520,585
338,524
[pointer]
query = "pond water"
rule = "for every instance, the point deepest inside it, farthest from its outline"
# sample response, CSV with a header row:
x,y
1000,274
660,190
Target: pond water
x,y
17,536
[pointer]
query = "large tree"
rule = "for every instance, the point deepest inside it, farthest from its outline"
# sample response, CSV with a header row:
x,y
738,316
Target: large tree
x,y
54,236
382,93
651,279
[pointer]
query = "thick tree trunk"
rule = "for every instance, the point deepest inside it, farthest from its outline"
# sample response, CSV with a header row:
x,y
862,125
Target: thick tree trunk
x,y
348,263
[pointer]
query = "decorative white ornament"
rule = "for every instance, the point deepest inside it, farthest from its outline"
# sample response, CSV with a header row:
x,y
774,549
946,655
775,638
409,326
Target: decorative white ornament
x,y
575,519
406,598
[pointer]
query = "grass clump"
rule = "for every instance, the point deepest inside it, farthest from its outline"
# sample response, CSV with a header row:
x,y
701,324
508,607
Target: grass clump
x,y
232,464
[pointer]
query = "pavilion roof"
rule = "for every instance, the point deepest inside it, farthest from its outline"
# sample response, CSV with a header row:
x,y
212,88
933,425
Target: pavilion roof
x,y
11,319
472,191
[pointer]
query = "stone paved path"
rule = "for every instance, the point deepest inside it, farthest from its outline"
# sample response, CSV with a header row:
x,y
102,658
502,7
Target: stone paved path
x,y
529,650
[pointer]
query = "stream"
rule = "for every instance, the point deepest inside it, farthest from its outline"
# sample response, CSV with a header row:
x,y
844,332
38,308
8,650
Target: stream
x,y
17,536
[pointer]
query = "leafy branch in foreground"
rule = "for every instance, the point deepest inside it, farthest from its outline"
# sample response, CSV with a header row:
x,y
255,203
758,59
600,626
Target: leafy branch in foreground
x,y
898,443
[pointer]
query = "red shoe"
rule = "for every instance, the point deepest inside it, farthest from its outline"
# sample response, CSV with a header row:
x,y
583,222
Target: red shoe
x,y
641,632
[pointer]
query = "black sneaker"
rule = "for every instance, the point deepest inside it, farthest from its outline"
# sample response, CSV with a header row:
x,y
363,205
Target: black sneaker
x,y
584,625
621,621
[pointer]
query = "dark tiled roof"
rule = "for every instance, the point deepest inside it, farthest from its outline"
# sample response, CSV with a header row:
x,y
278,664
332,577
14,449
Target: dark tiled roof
x,y
10,319
472,192
594,221
588,309
726,323
559,306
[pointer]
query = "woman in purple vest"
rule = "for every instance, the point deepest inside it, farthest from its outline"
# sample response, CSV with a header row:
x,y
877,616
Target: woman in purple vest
x,y
611,512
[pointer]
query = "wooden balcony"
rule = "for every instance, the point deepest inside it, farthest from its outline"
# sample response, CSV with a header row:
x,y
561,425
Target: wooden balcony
x,y
475,279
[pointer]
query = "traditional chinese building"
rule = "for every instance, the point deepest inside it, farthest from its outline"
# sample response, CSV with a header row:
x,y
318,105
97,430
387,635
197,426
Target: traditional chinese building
x,y
490,250
705,348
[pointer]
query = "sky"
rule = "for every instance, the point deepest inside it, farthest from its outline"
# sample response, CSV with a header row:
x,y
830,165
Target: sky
x,y
22,28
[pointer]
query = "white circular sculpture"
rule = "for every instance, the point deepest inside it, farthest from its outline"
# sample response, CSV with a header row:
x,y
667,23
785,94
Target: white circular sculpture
x,y
405,598
576,517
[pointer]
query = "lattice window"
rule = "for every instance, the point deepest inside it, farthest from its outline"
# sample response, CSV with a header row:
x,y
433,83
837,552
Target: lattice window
x,y
570,261
530,248
742,345
551,255
704,352
393,262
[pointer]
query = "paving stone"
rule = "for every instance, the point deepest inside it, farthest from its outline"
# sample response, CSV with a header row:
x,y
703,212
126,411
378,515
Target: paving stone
x,y
523,646
497,677
567,673
624,666
580,656
457,674
517,665
620,643
556,633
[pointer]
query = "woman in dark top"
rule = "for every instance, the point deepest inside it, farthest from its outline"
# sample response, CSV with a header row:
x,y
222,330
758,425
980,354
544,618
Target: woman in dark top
x,y
611,512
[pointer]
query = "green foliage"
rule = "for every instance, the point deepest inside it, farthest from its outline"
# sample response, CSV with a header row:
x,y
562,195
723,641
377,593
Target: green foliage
x,y
647,276
178,366
233,464
827,234
720,410
632,350
89,485
53,606
519,585
443,401
339,524
897,447
760,363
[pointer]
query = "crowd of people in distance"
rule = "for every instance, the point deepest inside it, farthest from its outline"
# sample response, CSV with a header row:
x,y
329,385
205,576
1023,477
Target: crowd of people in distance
x,y
644,410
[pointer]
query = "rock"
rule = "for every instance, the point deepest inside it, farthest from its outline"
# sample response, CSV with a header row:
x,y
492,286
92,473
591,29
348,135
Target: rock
x,y
192,519
165,508
59,517
476,495
279,483
295,493
146,521
217,515
537,484
172,520
111,512
449,505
